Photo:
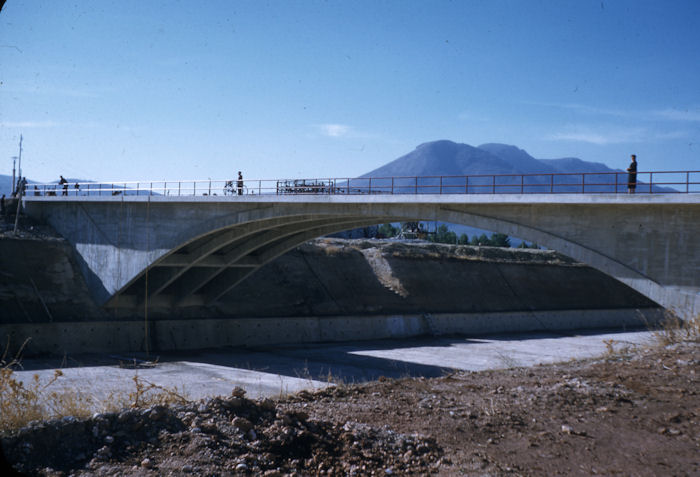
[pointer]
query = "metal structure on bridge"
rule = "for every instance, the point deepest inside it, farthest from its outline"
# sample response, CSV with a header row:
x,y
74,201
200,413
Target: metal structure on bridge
x,y
652,182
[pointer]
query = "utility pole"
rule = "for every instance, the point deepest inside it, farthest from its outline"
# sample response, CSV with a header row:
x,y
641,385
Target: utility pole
x,y
20,189
14,164
19,161
15,180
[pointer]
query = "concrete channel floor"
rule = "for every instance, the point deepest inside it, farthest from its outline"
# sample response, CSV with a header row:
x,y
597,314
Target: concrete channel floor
x,y
277,370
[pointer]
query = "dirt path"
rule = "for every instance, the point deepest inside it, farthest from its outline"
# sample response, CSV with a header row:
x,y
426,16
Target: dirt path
x,y
633,413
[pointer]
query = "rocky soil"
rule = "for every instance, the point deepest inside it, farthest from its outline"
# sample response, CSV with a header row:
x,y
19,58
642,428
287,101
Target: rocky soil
x,y
634,412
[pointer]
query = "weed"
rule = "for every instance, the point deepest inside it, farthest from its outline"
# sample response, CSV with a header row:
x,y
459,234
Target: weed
x,y
508,361
148,394
609,346
674,330
34,400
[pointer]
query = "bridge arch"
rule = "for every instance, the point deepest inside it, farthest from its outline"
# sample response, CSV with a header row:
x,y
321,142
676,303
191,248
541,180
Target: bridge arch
x,y
648,243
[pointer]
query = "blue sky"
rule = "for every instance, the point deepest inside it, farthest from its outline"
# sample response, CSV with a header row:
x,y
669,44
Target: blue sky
x,y
153,90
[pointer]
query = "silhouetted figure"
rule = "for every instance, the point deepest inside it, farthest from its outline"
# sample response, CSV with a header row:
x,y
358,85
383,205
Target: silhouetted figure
x,y
64,183
632,175
239,184
22,187
36,191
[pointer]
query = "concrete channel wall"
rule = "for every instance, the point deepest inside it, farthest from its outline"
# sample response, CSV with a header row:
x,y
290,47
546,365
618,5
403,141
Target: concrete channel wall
x,y
164,335
325,290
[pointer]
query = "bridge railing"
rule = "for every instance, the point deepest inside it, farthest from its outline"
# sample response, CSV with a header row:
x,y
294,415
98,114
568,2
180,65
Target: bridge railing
x,y
652,182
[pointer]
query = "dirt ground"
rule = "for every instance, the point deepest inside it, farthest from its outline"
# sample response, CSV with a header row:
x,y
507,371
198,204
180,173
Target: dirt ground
x,y
632,412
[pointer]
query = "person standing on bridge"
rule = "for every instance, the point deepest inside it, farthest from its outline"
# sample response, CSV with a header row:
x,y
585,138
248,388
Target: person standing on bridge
x,y
64,183
632,175
239,183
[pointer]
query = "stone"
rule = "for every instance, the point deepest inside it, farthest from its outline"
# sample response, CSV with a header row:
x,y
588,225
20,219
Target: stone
x,y
242,423
238,392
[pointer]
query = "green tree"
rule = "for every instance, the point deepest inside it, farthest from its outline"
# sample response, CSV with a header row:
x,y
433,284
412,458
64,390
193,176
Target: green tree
x,y
500,240
443,234
387,230
480,240
463,239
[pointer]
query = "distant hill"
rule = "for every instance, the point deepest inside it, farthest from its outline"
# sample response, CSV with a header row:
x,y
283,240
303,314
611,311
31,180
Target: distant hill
x,y
447,158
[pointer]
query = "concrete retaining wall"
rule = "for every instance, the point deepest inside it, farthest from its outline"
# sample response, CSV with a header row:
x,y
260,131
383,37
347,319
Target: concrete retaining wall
x,y
125,336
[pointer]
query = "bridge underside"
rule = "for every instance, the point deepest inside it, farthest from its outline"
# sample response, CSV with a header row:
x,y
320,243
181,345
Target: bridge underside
x,y
142,252
202,271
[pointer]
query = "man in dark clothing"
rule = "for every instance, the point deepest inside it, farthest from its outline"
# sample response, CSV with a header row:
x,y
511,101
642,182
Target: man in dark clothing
x,y
239,184
632,175
64,182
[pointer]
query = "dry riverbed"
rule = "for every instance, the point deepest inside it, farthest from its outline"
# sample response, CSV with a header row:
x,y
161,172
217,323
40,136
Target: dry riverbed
x,y
631,412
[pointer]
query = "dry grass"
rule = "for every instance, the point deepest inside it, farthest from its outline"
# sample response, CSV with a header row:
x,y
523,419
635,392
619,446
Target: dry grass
x,y
23,402
674,330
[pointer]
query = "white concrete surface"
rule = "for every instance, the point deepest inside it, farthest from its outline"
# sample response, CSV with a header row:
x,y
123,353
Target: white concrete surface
x,y
272,371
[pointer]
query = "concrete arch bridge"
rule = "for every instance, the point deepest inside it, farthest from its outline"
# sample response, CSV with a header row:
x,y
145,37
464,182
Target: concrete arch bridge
x,y
165,252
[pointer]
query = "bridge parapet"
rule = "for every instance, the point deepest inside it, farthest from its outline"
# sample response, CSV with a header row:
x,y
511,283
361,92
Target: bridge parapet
x,y
651,182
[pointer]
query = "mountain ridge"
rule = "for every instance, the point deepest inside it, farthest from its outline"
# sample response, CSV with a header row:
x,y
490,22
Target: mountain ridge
x,y
445,158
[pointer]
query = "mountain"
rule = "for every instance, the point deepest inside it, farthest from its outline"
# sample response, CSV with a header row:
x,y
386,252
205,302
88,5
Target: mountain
x,y
447,158
573,164
443,158
521,161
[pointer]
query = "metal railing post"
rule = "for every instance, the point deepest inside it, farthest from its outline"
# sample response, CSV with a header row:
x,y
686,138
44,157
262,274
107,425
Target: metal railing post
x,y
583,183
194,188
369,191
651,180
551,184
209,187
440,185
616,185
415,189
522,184
493,188
179,185
466,185
687,182
259,186
392,186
